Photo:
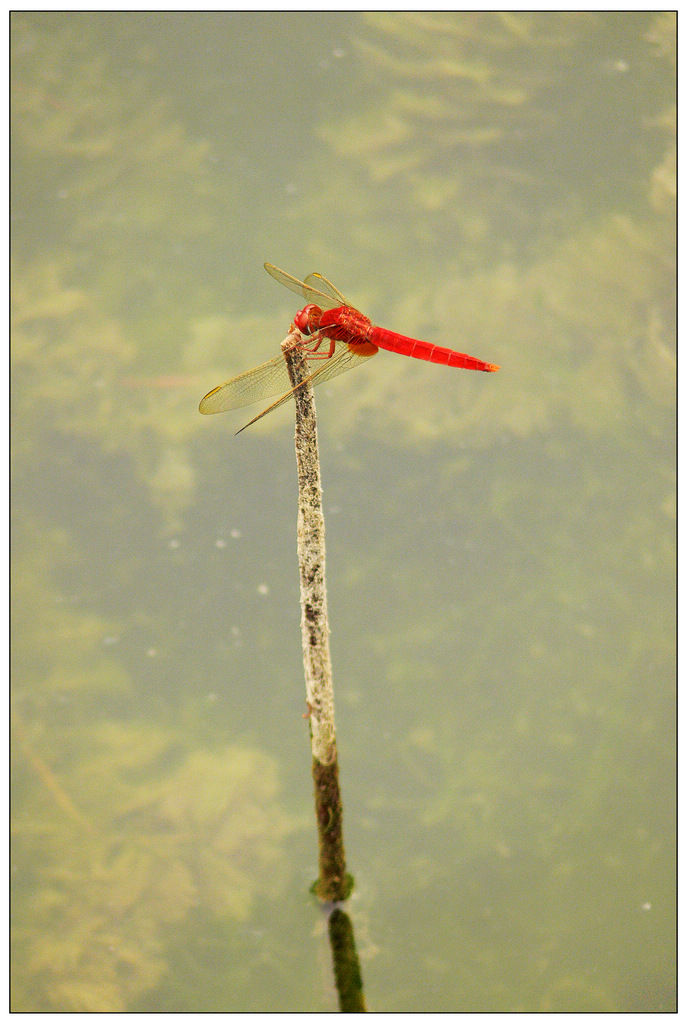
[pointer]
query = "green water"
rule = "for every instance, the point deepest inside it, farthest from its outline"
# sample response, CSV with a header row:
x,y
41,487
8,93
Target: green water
x,y
501,547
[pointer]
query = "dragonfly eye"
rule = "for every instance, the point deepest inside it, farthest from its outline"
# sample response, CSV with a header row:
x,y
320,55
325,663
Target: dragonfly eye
x,y
307,320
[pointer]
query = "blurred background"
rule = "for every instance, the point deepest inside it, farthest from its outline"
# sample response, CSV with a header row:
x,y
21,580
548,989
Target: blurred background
x,y
500,547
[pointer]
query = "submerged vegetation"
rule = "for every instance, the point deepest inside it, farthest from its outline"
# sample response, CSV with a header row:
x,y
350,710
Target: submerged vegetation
x,y
161,831
121,828
536,236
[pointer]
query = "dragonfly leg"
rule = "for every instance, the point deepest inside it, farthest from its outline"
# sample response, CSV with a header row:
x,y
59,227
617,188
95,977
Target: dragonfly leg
x,y
313,346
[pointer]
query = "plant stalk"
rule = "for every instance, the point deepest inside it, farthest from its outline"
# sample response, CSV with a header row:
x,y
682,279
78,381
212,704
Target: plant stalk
x,y
333,883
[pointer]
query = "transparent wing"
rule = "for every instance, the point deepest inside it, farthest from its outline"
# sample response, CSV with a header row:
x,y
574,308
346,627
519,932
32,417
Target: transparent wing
x,y
341,361
272,378
315,288
262,381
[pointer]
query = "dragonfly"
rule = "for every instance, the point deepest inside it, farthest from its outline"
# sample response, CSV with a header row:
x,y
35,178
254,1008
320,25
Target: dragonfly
x,y
335,337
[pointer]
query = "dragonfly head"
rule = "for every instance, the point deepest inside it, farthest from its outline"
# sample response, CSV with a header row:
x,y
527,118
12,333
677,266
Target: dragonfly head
x,y
307,320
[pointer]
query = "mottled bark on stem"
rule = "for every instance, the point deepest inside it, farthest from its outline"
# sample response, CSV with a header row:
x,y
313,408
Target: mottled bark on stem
x,y
311,560
333,883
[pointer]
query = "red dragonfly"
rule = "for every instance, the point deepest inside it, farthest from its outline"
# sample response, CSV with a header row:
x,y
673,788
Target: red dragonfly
x,y
351,337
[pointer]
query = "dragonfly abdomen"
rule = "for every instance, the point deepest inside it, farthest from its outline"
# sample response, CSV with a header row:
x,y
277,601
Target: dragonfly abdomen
x,y
423,350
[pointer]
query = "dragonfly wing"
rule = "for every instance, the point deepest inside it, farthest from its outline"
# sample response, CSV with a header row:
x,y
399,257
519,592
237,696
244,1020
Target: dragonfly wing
x,y
315,288
320,284
270,378
342,360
